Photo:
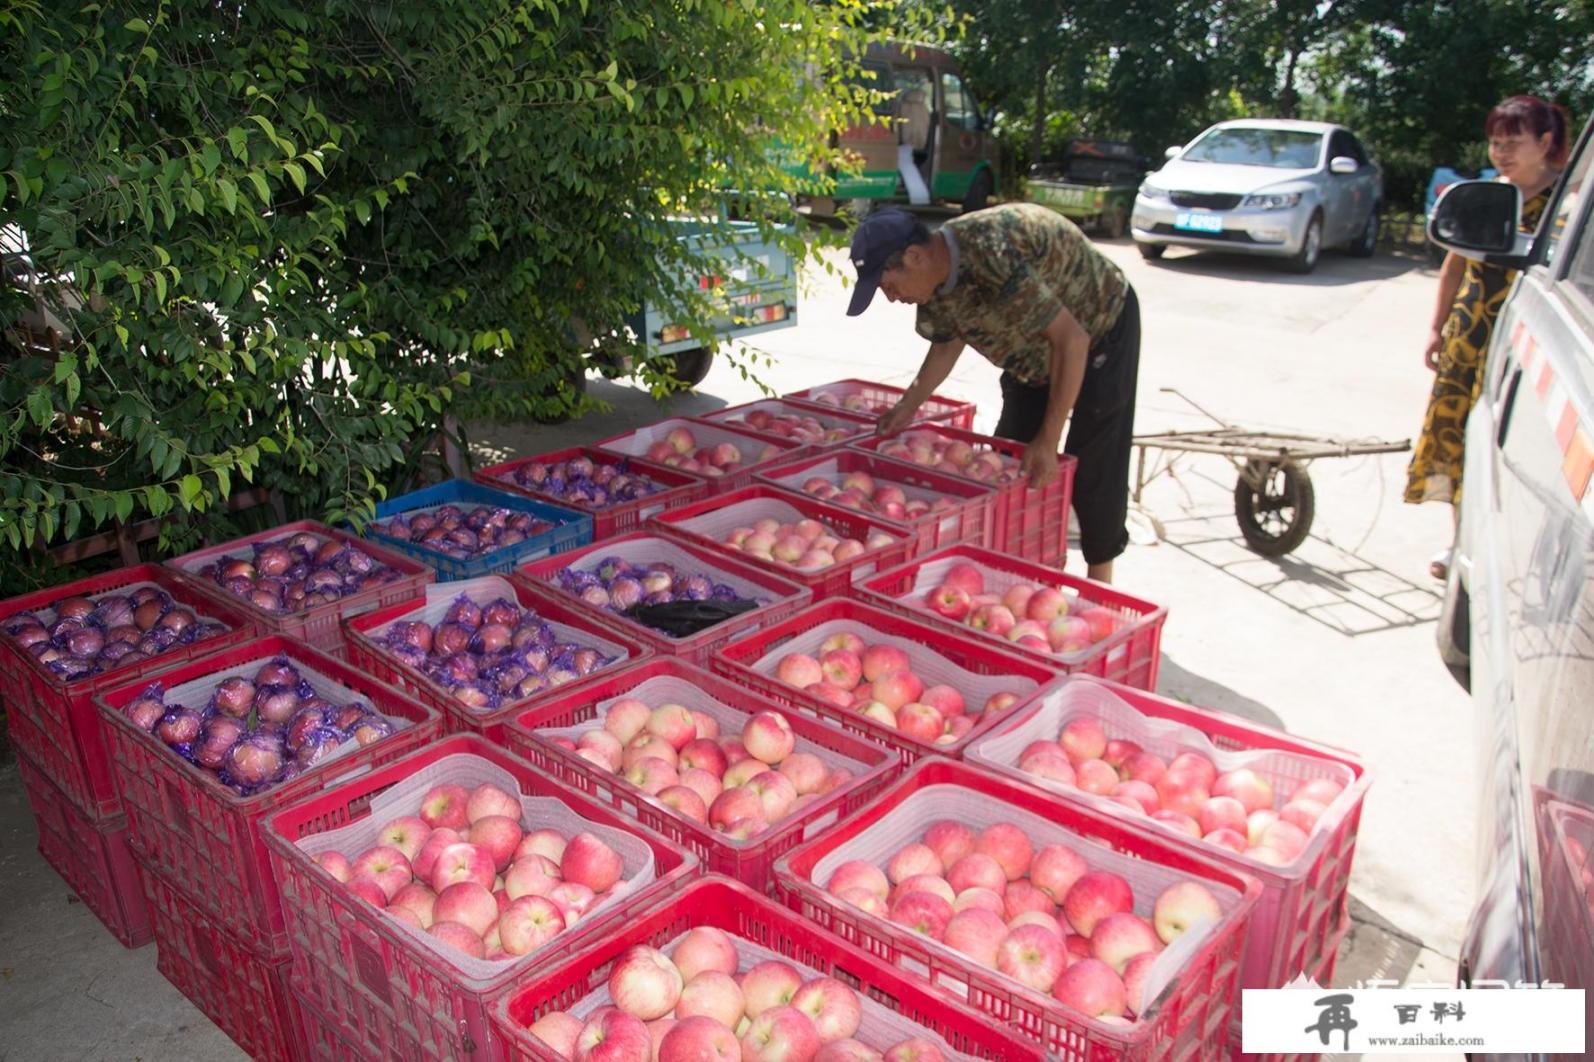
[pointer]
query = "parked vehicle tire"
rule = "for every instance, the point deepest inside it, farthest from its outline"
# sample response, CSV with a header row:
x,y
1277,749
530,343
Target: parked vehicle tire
x,y
1453,632
1150,251
979,193
1305,259
1114,223
1367,243
1274,505
692,366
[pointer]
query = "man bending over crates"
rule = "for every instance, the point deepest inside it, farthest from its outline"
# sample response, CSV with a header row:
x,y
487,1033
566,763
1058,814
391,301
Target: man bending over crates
x,y
1026,289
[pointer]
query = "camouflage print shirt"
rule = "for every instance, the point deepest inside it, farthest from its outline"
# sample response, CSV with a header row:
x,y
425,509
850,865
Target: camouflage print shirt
x,y
1016,265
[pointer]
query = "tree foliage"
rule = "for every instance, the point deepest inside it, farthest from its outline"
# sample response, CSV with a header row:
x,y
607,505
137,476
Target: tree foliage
x,y
1415,79
279,241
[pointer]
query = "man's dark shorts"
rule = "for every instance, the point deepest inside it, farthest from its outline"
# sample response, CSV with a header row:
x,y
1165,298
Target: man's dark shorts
x,y
1100,432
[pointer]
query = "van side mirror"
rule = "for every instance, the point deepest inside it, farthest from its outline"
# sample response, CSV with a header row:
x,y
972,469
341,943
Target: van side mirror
x,y
1479,218
1172,152
1343,164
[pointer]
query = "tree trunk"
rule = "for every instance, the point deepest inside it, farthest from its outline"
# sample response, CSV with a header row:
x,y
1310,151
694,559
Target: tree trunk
x,y
1288,101
1037,134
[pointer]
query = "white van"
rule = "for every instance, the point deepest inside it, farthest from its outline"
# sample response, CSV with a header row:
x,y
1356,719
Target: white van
x,y
1519,605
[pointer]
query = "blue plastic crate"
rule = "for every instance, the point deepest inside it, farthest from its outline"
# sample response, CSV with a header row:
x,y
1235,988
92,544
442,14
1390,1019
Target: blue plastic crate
x,y
570,529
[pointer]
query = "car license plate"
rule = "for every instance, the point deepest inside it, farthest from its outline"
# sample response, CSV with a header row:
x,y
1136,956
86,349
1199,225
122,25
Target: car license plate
x,y
1198,222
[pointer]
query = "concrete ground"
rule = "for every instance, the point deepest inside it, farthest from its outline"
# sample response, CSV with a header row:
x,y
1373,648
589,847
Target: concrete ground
x,y
1333,642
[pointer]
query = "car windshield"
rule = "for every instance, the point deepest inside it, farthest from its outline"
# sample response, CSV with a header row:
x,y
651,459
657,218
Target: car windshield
x,y
1280,148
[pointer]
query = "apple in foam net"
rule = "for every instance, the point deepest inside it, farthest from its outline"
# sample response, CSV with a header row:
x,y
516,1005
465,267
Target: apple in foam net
x,y
645,983
531,875
1246,786
799,669
833,1007
1008,845
697,1039
407,833
1091,987
1083,738
911,860
499,835
780,1034
769,984
467,903
588,861
711,994
528,923
768,737
976,931
949,840
703,949
977,870
337,864
859,874
1033,956
418,900
1120,937
612,1035
1094,896
445,805
456,935
951,602
625,718
488,799
932,883
685,802
926,913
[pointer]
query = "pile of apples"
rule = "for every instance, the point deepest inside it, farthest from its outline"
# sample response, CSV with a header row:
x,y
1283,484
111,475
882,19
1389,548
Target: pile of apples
x,y
297,572
877,681
854,403
1232,809
583,481
952,456
805,545
738,784
679,449
462,533
697,1004
1041,916
861,491
1031,615
81,636
801,429
464,870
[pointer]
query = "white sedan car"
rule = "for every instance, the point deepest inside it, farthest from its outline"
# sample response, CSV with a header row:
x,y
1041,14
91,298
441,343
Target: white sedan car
x,y
1282,188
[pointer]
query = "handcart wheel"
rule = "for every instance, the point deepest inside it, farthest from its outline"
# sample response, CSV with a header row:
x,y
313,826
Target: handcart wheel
x,y
1274,504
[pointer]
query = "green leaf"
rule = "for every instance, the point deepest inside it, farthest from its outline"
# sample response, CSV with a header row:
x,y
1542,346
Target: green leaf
x,y
65,365
238,140
362,210
73,388
223,484
229,194
124,505
136,25
188,489
40,408
160,286
262,189
210,157
296,174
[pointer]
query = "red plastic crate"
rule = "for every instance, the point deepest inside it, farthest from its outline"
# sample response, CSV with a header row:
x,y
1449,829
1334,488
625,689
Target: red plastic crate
x,y
1190,1019
681,488
1303,906
782,596
369,656
193,829
1032,524
730,906
54,721
881,397
706,433
970,519
399,998
1323,975
706,523
321,625
323,1038
739,661
853,424
1131,655
244,993
91,856
750,862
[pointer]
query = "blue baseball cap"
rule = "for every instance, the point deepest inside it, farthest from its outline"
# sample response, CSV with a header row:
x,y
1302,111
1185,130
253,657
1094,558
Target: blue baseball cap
x,y
879,236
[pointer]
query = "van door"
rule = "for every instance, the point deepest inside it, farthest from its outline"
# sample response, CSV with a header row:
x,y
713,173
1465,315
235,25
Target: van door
x,y
961,141
1543,355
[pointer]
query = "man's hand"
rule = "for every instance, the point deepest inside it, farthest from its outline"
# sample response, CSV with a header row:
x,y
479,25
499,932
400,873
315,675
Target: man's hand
x,y
899,417
1039,464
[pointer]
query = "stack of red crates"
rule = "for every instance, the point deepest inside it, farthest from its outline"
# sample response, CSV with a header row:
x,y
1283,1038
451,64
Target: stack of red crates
x,y
218,922
61,749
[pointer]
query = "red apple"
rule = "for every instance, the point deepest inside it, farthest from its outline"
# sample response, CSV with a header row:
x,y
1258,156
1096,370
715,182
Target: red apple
x,y
977,933
769,984
712,994
1182,906
1091,987
528,923
645,983
456,935
1008,845
488,800
385,866
833,1007
1097,894
1033,956
1120,937
469,904
612,1035
698,1039
780,1034
445,805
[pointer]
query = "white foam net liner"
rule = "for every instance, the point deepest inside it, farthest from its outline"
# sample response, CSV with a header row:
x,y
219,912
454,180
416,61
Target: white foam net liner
x,y
537,813
668,689
637,442
907,822
196,694
831,470
931,667
880,1028
931,575
482,590
1080,697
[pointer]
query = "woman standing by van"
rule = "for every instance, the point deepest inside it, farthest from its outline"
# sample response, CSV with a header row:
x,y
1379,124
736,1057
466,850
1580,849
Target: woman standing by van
x,y
1528,145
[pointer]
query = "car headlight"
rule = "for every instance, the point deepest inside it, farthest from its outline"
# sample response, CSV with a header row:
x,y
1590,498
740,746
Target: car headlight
x,y
1272,201
1151,191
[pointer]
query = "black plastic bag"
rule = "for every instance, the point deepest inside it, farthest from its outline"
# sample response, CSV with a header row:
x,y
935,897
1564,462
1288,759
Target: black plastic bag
x,y
681,619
